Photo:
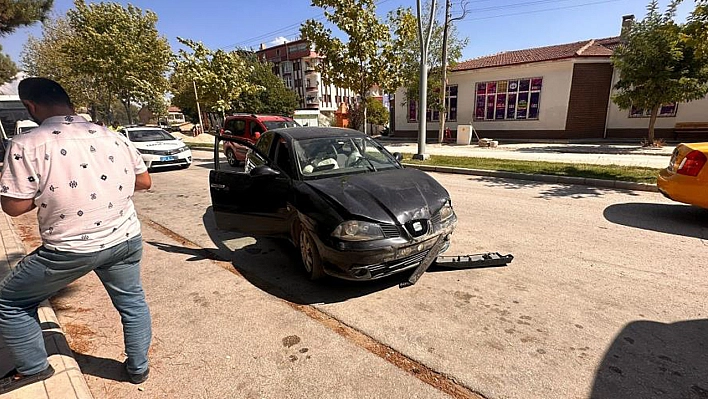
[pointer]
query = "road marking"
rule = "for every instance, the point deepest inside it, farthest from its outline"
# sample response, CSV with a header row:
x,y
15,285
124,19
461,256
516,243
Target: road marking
x,y
420,371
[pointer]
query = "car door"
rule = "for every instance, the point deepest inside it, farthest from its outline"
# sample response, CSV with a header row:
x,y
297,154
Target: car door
x,y
255,202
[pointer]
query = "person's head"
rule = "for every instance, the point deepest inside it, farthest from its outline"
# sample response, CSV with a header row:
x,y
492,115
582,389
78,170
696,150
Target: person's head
x,y
44,98
99,122
114,123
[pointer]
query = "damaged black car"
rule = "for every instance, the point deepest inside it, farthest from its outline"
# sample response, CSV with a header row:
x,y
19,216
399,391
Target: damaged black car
x,y
348,204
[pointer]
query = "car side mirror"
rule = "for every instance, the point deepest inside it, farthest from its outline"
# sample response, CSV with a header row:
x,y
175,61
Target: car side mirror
x,y
398,156
264,170
227,132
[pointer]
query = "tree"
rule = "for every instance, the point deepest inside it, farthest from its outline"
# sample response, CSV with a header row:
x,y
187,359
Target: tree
x,y
376,113
120,49
46,57
657,66
275,98
697,28
220,76
14,14
372,54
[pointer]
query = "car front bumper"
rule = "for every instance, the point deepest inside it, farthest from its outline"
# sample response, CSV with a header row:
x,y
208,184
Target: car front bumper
x,y
158,161
381,259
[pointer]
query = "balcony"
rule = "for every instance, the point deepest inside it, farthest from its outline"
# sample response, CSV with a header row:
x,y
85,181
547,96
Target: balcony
x,y
312,100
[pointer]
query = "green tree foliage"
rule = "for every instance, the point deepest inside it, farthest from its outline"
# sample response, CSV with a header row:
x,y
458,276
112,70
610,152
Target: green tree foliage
x,y
455,46
275,98
657,66
46,57
372,54
119,48
697,28
14,14
221,77
376,113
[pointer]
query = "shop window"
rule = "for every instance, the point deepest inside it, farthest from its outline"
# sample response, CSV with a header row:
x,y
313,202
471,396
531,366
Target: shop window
x,y
512,99
434,115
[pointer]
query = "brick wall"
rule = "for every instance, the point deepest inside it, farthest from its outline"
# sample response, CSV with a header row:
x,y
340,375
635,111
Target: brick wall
x,y
589,97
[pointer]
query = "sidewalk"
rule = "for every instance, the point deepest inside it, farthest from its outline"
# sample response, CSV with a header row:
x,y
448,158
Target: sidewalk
x,y
67,381
596,154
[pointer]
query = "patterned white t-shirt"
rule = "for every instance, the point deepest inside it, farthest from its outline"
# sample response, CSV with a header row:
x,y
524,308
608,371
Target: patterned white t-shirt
x,y
81,177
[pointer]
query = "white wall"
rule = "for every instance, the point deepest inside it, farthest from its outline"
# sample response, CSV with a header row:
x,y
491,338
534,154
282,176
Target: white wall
x,y
553,106
694,111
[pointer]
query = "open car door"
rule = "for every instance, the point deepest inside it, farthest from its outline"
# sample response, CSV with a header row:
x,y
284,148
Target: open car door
x,y
250,203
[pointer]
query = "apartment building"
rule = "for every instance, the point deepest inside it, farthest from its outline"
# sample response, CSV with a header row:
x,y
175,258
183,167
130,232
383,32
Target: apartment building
x,y
296,63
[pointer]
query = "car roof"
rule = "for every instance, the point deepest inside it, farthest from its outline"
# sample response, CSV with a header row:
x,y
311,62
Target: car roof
x,y
315,132
261,117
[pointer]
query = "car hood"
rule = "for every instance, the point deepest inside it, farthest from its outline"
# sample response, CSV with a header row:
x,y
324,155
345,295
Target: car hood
x,y
159,145
397,195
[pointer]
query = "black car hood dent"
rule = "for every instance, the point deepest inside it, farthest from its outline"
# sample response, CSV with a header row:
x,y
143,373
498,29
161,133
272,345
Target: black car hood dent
x,y
397,195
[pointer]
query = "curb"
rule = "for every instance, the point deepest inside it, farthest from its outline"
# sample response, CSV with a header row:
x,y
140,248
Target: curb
x,y
622,185
68,381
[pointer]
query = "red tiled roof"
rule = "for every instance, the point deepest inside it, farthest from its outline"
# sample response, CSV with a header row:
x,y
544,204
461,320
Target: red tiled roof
x,y
586,48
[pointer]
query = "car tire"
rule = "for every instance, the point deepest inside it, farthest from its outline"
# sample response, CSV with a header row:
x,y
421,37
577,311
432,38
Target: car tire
x,y
311,260
231,158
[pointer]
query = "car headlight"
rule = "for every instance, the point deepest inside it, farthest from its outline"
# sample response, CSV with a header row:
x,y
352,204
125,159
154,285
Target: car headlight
x,y
446,212
356,230
183,149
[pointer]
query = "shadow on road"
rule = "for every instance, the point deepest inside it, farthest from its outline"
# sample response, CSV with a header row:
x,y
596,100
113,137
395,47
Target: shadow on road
x,y
551,190
650,359
676,219
273,265
101,367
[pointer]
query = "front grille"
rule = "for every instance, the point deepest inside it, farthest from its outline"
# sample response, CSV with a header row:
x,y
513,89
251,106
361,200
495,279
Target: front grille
x,y
417,228
390,230
387,268
173,162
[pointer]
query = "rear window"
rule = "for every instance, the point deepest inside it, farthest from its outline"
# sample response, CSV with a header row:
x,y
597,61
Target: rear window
x,y
149,135
270,125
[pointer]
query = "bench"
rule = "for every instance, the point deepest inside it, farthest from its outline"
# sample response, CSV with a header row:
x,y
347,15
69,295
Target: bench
x,y
691,131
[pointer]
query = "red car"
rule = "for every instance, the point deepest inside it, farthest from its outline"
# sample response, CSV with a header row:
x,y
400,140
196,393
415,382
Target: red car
x,y
249,127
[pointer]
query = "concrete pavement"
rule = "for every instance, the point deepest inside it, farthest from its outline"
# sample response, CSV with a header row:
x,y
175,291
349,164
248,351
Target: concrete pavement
x,y
67,381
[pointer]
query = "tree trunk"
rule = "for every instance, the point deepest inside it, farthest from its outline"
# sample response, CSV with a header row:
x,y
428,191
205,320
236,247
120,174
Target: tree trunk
x,y
652,122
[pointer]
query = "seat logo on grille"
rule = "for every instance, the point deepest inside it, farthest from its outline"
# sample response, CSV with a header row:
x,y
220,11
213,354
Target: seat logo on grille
x,y
417,227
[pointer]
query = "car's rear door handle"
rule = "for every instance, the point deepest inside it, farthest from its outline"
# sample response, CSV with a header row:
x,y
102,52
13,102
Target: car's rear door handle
x,y
219,186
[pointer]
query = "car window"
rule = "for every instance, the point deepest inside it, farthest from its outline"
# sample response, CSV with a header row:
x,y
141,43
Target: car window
x,y
149,135
239,127
256,128
270,125
340,155
282,157
263,144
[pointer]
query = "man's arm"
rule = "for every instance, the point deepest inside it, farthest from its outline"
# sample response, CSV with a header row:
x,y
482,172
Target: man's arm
x,y
143,181
16,206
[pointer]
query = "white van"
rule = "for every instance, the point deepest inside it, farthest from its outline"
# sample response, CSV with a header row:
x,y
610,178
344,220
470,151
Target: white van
x,y
24,126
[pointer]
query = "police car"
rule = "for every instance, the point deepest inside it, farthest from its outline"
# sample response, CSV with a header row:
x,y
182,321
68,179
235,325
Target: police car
x,y
158,147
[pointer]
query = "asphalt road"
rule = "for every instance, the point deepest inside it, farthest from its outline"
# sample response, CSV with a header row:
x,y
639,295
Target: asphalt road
x,y
605,298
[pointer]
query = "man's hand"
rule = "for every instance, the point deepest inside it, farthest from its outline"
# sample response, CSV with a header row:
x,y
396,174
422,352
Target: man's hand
x,y
16,206
143,181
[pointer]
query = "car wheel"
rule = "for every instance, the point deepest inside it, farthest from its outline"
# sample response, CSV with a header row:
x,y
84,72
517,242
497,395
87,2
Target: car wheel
x,y
231,158
310,256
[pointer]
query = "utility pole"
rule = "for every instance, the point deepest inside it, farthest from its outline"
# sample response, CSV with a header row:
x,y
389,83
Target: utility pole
x,y
199,111
423,93
443,91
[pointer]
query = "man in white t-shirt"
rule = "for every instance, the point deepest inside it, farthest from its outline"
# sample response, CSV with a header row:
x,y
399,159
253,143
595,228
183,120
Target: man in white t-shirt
x,y
81,178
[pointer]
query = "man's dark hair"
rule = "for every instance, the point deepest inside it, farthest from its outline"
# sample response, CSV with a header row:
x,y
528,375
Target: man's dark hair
x,y
43,91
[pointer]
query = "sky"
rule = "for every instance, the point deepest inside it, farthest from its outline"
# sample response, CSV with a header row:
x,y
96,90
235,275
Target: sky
x,y
492,26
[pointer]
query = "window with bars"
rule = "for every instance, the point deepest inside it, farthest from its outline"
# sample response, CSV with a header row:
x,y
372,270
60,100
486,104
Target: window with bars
x,y
434,115
665,110
513,99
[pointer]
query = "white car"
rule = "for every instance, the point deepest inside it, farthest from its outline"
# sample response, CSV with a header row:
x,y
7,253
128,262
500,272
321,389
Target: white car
x,y
158,147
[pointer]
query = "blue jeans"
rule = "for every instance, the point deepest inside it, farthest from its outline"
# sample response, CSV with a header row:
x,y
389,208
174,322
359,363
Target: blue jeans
x,y
44,272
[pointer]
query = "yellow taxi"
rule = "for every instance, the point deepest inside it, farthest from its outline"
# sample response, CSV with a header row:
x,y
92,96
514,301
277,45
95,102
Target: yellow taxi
x,y
686,178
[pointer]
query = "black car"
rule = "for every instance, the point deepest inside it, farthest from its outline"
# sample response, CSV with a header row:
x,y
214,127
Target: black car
x,y
338,195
